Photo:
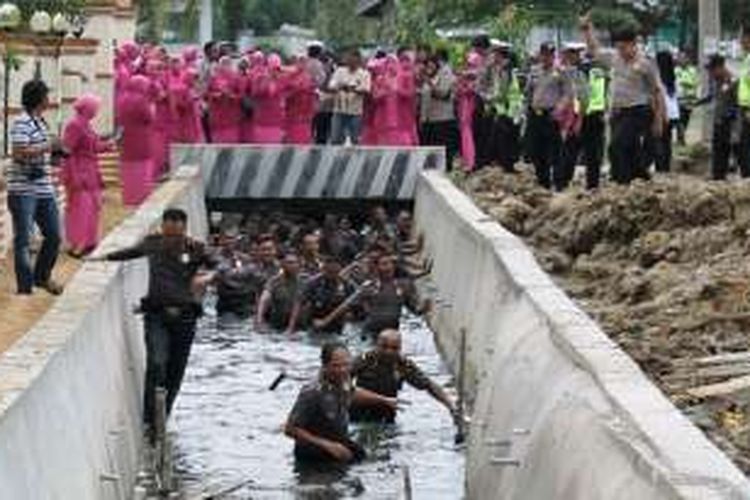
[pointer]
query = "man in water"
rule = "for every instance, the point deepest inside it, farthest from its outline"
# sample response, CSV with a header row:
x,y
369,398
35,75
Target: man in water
x,y
171,306
238,283
319,420
383,303
324,295
384,370
279,304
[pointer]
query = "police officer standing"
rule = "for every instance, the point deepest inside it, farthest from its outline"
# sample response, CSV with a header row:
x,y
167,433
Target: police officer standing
x,y
548,89
637,103
571,148
687,92
171,306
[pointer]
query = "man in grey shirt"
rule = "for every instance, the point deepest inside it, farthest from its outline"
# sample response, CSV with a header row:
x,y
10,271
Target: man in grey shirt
x,y
548,90
637,104
438,116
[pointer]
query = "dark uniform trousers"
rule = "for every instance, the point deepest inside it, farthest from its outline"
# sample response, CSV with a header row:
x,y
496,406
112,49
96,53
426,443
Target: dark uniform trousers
x,y
744,153
721,149
484,129
545,145
169,338
588,144
444,133
631,128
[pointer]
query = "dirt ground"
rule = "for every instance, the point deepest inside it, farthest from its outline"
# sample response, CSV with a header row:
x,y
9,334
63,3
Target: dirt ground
x,y
664,268
19,313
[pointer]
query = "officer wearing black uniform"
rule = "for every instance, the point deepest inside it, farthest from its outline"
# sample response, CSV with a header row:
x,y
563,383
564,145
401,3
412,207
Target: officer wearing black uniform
x,y
170,307
384,371
319,420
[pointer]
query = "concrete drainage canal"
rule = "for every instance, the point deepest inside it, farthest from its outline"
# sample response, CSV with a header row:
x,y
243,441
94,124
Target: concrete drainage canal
x,y
557,409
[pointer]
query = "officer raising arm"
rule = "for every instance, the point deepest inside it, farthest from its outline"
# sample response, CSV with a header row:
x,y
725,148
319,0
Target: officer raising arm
x,y
637,101
171,306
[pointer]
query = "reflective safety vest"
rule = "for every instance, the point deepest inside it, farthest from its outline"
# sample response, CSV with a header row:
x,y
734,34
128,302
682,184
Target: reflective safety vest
x,y
597,91
687,81
743,93
515,98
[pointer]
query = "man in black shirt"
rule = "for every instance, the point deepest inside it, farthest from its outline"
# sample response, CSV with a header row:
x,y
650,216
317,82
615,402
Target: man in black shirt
x,y
324,294
319,420
384,370
171,305
384,301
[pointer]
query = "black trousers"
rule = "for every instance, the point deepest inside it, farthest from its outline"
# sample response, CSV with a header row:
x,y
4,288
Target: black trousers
x,y
168,342
744,155
658,150
484,129
445,134
721,149
322,127
631,128
545,144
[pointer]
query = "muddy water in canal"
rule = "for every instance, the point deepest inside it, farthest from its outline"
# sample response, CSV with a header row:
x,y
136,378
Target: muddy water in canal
x,y
227,424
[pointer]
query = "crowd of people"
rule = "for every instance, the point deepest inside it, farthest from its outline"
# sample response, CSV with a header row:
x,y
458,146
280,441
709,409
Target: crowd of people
x,y
289,274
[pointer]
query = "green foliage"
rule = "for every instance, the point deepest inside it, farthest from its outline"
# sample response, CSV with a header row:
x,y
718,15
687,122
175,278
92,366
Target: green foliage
x,y
414,25
70,7
337,22
613,19
513,24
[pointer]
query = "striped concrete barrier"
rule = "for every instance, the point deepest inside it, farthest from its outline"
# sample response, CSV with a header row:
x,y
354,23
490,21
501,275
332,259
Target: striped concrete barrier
x,y
309,172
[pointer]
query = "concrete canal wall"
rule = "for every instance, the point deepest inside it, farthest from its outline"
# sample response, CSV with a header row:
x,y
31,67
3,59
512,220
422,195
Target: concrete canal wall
x,y
70,390
559,411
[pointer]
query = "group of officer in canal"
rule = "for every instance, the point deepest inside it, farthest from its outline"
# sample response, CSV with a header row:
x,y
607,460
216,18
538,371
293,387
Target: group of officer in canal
x,y
289,274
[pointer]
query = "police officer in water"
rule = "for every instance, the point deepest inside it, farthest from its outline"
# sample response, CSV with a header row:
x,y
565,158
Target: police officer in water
x,y
383,371
171,306
319,420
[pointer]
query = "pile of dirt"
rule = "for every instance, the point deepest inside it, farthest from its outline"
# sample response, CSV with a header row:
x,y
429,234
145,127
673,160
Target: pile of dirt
x,y
664,267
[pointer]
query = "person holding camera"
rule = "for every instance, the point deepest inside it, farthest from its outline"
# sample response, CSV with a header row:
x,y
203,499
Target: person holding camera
x,y
31,194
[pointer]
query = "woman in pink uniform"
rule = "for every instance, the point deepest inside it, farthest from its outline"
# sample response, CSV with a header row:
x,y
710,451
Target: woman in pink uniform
x,y
224,98
188,106
157,72
407,102
387,99
268,100
467,104
301,104
81,177
370,111
137,115
256,66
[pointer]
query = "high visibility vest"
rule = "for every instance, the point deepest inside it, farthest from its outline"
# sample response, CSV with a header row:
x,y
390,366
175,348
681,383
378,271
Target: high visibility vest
x,y
743,93
515,98
687,81
597,91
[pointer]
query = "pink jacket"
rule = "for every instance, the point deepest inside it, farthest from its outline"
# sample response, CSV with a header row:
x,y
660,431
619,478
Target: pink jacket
x,y
137,116
80,170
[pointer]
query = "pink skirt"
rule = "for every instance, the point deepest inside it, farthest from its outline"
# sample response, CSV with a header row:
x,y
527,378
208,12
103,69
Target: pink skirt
x,y
82,219
137,181
299,133
264,134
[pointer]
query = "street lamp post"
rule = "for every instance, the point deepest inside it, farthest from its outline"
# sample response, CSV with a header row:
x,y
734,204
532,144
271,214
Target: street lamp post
x,y
10,19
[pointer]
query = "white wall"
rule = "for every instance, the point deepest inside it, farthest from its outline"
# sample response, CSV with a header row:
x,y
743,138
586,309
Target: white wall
x,y
550,389
70,390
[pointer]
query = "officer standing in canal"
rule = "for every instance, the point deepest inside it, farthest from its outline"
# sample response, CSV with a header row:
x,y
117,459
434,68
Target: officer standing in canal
x,y
171,306
319,420
384,370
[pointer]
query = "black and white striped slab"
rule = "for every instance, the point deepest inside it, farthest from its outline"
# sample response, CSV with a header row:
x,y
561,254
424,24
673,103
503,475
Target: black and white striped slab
x,y
308,172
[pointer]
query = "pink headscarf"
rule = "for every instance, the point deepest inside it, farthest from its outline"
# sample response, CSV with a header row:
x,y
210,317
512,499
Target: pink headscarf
x,y
190,55
129,50
139,84
474,60
273,61
87,106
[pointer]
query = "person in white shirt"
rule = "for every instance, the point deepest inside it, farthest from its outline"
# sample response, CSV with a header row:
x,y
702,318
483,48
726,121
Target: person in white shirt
x,y
350,84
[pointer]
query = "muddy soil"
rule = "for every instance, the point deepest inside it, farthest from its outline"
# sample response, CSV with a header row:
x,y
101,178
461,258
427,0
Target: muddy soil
x,y
663,267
